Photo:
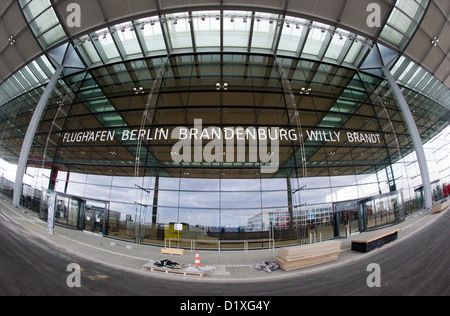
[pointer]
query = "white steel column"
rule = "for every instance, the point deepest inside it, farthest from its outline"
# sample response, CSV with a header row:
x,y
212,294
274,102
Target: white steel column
x,y
414,132
31,131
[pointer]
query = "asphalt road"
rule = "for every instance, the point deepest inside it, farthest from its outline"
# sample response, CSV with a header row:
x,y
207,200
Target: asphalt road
x,y
416,265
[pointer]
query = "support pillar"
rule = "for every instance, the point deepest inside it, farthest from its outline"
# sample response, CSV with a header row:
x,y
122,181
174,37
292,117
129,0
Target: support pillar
x,y
290,208
155,201
31,131
414,132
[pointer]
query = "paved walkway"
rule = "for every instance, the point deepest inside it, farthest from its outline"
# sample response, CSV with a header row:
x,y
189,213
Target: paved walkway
x,y
228,265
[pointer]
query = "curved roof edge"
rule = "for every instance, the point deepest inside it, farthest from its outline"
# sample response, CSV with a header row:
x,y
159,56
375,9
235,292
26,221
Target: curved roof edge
x,y
341,22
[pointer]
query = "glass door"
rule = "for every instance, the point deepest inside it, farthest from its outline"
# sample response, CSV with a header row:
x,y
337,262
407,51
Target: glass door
x,y
67,209
98,221
95,217
88,218
342,222
61,210
74,212
353,217
370,214
419,197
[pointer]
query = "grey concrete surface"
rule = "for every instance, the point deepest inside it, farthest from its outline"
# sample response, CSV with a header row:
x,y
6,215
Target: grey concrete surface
x,y
28,246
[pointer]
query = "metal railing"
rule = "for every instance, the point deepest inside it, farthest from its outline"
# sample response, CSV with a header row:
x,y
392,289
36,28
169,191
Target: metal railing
x,y
168,242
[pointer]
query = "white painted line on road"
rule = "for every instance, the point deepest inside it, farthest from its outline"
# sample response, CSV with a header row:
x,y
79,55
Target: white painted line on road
x,y
5,217
5,205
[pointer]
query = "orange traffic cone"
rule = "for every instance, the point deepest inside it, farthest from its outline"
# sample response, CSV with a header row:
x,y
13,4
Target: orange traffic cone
x,y
197,259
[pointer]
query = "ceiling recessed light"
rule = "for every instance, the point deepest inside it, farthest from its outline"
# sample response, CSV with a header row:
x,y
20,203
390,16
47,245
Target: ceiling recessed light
x,y
305,91
11,40
435,41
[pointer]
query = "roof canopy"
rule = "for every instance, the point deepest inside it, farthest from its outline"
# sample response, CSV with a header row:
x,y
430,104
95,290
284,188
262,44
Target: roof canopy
x,y
330,31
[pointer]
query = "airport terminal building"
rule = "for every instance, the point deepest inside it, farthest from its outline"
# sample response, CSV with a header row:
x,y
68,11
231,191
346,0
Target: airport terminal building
x,y
232,123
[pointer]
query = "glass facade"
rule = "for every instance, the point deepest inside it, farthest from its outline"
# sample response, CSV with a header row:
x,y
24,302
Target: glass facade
x,y
43,21
403,22
145,144
243,148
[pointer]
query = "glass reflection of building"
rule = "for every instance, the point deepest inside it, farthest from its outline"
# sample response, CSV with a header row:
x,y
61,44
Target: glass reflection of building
x,y
315,90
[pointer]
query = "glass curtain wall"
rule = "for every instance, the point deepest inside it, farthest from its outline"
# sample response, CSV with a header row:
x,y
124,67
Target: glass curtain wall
x,y
115,142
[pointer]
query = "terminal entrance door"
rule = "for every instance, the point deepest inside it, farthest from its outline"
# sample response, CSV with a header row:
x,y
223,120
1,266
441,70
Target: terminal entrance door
x,y
356,216
72,211
348,219
96,217
348,223
354,226
419,197
67,209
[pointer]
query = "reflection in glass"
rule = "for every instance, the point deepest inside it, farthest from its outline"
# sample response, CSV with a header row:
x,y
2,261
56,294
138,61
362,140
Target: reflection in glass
x,y
230,200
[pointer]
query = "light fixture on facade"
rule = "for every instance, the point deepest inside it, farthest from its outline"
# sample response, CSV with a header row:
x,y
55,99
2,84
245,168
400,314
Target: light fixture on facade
x,y
223,86
306,91
11,40
435,41
138,90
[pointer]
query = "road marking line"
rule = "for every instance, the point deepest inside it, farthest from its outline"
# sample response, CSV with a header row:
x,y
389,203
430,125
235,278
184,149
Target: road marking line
x,y
5,205
5,217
